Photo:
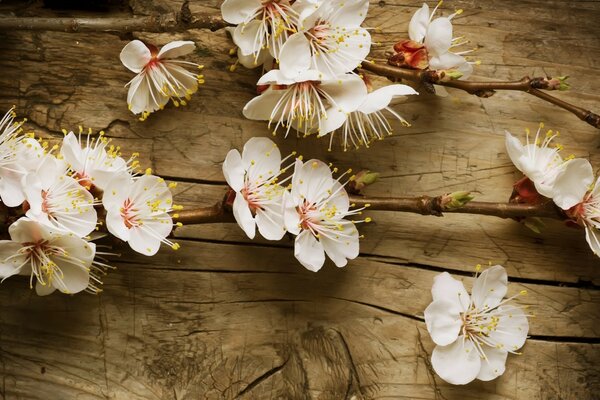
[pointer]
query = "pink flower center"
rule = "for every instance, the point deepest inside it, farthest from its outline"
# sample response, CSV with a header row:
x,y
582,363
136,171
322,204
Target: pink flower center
x,y
252,200
129,214
305,211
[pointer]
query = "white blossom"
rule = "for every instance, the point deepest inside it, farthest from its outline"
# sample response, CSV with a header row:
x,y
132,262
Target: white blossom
x,y
160,77
329,39
316,210
253,176
19,154
368,123
309,103
474,334
57,200
55,260
137,211
97,162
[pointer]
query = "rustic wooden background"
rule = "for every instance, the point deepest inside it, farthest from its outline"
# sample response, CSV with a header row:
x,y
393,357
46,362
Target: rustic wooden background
x,y
227,318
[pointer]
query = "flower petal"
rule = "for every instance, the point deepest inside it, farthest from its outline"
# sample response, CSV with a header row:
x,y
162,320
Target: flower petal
x,y
511,332
261,158
445,287
443,321
44,290
515,149
381,98
351,13
243,215
438,38
447,61
347,91
237,11
458,363
270,222
309,251
135,55
291,218
490,287
592,236
493,365
247,37
344,248
572,183
417,28
176,49
295,56
262,107
233,170
10,262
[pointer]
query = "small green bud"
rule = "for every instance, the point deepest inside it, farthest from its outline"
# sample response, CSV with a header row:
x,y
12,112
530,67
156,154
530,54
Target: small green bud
x,y
456,200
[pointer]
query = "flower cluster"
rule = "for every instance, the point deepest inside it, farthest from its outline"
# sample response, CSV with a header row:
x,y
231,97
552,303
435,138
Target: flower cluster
x,y
474,334
569,182
310,203
160,76
59,191
315,47
430,45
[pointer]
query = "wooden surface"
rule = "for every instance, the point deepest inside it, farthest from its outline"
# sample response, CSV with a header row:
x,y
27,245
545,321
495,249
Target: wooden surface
x,y
227,318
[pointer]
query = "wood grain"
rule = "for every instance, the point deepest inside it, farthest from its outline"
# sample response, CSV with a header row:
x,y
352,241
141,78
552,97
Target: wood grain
x,y
229,318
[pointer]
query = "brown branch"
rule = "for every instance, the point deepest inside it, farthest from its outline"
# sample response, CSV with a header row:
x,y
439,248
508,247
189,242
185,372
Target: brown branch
x,y
156,23
424,205
533,86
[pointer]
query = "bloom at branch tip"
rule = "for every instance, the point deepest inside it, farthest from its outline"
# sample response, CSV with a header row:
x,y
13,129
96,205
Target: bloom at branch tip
x,y
586,213
430,45
19,155
263,26
368,122
309,103
57,200
160,76
254,177
474,334
97,162
316,210
137,211
329,39
563,181
57,261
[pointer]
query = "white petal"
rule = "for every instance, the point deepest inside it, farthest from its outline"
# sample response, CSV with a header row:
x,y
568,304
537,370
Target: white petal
x,y
438,38
270,222
309,251
247,37
237,11
251,61
417,28
443,321
135,55
33,192
511,332
334,120
117,191
9,261
312,181
11,184
233,170
295,56
490,287
592,236
116,225
291,218
44,290
261,107
572,183
515,149
146,239
176,49
345,56
25,230
243,215
493,365
381,98
71,151
447,61
455,363
348,92
261,158
445,287
351,13
343,249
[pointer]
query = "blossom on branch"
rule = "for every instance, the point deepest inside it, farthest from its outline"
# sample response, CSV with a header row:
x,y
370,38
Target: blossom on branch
x,y
308,103
474,334
316,210
57,261
160,77
137,211
430,45
253,176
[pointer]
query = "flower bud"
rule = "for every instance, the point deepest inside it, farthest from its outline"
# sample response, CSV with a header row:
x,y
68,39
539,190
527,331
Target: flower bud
x,y
361,180
409,54
456,200
450,75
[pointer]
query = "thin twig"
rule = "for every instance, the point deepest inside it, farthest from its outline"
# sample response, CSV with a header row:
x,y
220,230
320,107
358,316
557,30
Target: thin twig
x,y
533,86
156,23
424,205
